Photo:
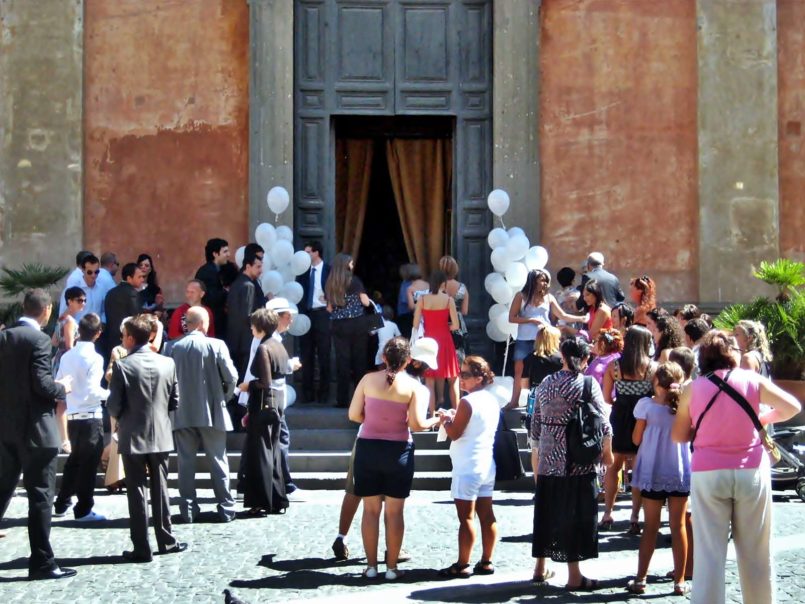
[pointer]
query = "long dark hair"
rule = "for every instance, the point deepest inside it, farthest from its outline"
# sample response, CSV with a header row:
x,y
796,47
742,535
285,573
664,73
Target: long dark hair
x,y
534,285
151,280
575,351
593,287
339,280
636,349
671,333
397,352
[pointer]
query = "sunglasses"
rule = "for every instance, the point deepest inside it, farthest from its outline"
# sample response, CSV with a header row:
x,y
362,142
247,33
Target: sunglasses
x,y
95,272
80,300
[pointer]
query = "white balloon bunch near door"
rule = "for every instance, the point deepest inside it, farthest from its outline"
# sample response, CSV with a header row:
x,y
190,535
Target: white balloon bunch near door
x,y
512,258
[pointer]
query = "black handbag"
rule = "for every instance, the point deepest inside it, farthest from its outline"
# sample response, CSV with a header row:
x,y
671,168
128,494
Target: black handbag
x,y
508,465
372,320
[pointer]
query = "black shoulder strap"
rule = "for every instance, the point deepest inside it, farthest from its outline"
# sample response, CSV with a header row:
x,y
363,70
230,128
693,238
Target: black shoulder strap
x,y
738,398
706,409
587,390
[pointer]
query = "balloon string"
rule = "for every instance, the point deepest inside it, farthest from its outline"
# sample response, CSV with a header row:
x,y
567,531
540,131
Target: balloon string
x,y
506,356
501,222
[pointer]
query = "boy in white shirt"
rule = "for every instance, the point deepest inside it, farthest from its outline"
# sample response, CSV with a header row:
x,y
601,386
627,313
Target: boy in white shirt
x,y
385,333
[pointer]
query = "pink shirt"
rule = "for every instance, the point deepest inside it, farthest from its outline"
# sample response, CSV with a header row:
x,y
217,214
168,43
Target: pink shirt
x,y
727,439
385,420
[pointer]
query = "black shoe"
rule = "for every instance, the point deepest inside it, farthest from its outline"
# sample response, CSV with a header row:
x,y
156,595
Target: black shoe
x,y
176,549
53,573
340,549
133,556
60,509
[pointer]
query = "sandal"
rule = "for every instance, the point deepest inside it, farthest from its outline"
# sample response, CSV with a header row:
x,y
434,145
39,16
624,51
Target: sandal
x,y
370,572
636,587
605,525
456,571
548,574
681,589
634,529
256,513
585,585
484,567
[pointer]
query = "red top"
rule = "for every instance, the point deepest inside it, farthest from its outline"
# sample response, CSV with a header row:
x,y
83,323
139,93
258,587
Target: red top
x,y
437,326
177,327
607,324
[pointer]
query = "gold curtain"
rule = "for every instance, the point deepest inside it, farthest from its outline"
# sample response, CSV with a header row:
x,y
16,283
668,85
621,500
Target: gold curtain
x,y
353,171
421,172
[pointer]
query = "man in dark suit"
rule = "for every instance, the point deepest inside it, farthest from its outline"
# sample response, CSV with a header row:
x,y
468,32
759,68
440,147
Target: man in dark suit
x,y
122,301
142,392
216,252
315,344
610,285
29,436
245,296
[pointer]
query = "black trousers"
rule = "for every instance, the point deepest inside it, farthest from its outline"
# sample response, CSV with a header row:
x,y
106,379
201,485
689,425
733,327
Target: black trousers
x,y
81,468
136,481
315,345
351,343
38,467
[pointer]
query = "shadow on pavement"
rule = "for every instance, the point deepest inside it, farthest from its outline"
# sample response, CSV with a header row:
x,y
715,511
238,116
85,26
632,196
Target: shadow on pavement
x,y
517,591
313,579
288,566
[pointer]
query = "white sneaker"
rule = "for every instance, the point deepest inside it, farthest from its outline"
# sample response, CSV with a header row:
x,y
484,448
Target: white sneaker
x,y
91,517
393,574
370,572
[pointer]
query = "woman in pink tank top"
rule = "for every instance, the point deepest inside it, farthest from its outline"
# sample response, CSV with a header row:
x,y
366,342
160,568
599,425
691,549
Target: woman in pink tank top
x,y
387,403
730,479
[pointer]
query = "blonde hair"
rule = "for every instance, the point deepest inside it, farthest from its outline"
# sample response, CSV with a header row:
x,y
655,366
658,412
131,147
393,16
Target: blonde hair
x,y
547,342
755,337
449,266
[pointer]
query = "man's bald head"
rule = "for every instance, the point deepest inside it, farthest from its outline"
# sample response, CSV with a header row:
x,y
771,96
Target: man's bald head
x,y
197,318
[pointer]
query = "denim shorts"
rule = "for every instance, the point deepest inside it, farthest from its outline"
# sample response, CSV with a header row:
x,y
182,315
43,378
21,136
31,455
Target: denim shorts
x,y
523,348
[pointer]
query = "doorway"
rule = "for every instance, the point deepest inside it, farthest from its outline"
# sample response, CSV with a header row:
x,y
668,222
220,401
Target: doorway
x,y
393,196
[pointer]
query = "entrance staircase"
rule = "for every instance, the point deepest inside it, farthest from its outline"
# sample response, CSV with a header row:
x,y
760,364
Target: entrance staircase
x,y
321,445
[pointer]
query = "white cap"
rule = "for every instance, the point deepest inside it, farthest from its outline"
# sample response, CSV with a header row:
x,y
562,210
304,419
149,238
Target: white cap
x,y
279,305
425,350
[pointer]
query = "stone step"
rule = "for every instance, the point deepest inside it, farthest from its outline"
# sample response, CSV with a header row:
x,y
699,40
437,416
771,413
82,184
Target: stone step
x,y
301,417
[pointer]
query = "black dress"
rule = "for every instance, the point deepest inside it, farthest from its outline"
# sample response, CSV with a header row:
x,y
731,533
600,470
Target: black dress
x,y
264,485
627,393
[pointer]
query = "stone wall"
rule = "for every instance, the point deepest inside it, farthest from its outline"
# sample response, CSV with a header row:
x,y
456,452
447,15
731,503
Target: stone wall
x,y
40,131
618,138
166,119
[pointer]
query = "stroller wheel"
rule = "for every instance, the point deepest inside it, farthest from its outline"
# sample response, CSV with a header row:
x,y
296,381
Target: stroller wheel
x,y
801,488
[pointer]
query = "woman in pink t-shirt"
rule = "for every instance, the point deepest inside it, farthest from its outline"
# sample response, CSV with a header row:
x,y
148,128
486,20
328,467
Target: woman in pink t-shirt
x,y
730,481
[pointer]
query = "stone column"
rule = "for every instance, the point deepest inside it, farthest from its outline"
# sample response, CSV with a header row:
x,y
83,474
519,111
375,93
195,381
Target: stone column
x,y
41,57
270,107
738,160
515,159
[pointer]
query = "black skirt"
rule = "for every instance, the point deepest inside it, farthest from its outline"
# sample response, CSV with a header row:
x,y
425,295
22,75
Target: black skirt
x,y
565,518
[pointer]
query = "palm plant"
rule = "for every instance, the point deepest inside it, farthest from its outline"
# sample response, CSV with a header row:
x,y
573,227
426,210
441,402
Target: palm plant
x,y
783,317
13,282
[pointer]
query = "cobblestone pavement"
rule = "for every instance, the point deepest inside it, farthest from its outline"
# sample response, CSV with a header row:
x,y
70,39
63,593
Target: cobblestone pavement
x,y
289,557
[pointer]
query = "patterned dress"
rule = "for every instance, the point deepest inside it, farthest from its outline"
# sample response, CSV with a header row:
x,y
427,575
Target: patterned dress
x,y
627,393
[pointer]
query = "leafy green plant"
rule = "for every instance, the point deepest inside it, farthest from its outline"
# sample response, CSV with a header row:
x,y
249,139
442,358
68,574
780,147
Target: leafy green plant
x,y
783,317
14,282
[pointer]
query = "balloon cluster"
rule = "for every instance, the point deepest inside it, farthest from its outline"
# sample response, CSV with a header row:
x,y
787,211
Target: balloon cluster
x,y
281,264
512,257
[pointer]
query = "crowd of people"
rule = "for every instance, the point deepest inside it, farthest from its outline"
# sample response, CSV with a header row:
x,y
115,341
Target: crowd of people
x,y
655,380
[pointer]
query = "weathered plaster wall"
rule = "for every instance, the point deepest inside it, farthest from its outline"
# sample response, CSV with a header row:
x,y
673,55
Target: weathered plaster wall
x,y
166,119
618,138
791,91
738,159
40,131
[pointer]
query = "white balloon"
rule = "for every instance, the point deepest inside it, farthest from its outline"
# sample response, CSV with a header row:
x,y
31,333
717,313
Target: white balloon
x,y
494,333
490,280
278,199
514,231
502,293
287,273
281,253
292,291
497,309
300,262
300,325
266,235
501,389
500,259
284,233
517,246
239,253
516,275
497,237
502,322
498,202
536,258
271,282
290,395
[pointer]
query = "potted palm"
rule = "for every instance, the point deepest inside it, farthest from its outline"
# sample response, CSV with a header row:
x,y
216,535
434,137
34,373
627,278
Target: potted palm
x,y
13,282
784,319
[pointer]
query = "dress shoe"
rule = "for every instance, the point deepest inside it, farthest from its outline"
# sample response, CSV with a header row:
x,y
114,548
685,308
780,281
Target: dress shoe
x,y
53,573
176,549
132,556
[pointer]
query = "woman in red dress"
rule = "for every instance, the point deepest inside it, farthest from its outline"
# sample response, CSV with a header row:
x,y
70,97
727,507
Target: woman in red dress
x,y
438,310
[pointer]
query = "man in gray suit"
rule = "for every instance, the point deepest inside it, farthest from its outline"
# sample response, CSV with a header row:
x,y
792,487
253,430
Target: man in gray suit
x,y
142,392
207,379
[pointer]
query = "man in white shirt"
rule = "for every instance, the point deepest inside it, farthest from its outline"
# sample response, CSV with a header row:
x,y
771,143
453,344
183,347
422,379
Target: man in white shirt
x,y
96,293
109,268
84,422
76,275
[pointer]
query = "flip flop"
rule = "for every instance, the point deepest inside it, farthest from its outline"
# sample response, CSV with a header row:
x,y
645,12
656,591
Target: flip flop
x,y
585,585
548,574
484,567
681,589
636,587
456,571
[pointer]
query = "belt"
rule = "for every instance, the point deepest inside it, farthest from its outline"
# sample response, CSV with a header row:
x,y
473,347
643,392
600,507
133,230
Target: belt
x,y
90,415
